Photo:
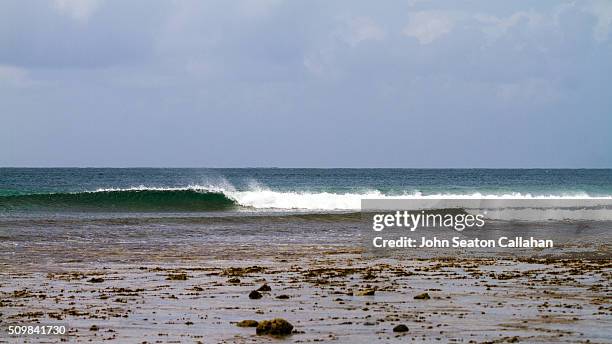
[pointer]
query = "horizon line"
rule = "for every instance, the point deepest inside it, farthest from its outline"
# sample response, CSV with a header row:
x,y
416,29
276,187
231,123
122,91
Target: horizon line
x,y
302,167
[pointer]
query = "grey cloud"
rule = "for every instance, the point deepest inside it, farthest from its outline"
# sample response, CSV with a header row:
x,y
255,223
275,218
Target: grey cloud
x,y
214,83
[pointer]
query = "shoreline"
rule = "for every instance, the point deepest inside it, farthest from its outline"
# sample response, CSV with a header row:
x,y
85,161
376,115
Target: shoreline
x,y
328,293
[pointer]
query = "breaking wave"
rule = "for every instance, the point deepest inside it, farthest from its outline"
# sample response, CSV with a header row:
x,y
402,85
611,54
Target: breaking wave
x,y
211,198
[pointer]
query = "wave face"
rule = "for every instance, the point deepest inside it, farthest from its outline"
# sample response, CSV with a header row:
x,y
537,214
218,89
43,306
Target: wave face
x,y
140,199
197,198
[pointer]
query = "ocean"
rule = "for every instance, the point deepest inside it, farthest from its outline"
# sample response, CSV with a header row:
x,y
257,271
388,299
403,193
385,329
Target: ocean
x,y
144,209
198,190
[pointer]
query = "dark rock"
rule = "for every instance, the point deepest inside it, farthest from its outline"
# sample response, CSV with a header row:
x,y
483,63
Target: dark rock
x,y
255,295
242,271
177,277
247,323
365,292
400,328
276,327
95,280
234,280
264,287
369,275
94,328
283,297
423,296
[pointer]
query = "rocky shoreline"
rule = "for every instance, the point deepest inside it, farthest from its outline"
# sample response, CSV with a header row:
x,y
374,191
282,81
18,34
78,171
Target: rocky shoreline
x,y
324,293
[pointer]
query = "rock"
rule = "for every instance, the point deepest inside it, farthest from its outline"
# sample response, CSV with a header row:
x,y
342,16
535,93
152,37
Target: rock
x,y
423,296
276,327
255,295
177,277
95,280
366,292
247,323
94,328
242,271
283,297
264,287
400,328
369,275
233,280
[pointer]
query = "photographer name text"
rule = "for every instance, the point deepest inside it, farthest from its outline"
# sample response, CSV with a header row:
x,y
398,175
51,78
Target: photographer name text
x,y
457,242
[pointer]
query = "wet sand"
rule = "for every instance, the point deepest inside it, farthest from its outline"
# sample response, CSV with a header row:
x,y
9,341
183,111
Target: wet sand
x,y
328,293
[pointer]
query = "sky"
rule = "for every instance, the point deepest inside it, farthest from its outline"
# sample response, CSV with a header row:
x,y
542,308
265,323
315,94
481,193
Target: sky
x,y
275,83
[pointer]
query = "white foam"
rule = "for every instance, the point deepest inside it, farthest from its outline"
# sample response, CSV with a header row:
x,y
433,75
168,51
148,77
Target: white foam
x,y
267,199
194,187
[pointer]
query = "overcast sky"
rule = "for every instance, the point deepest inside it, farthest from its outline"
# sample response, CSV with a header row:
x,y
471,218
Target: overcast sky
x,y
306,83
